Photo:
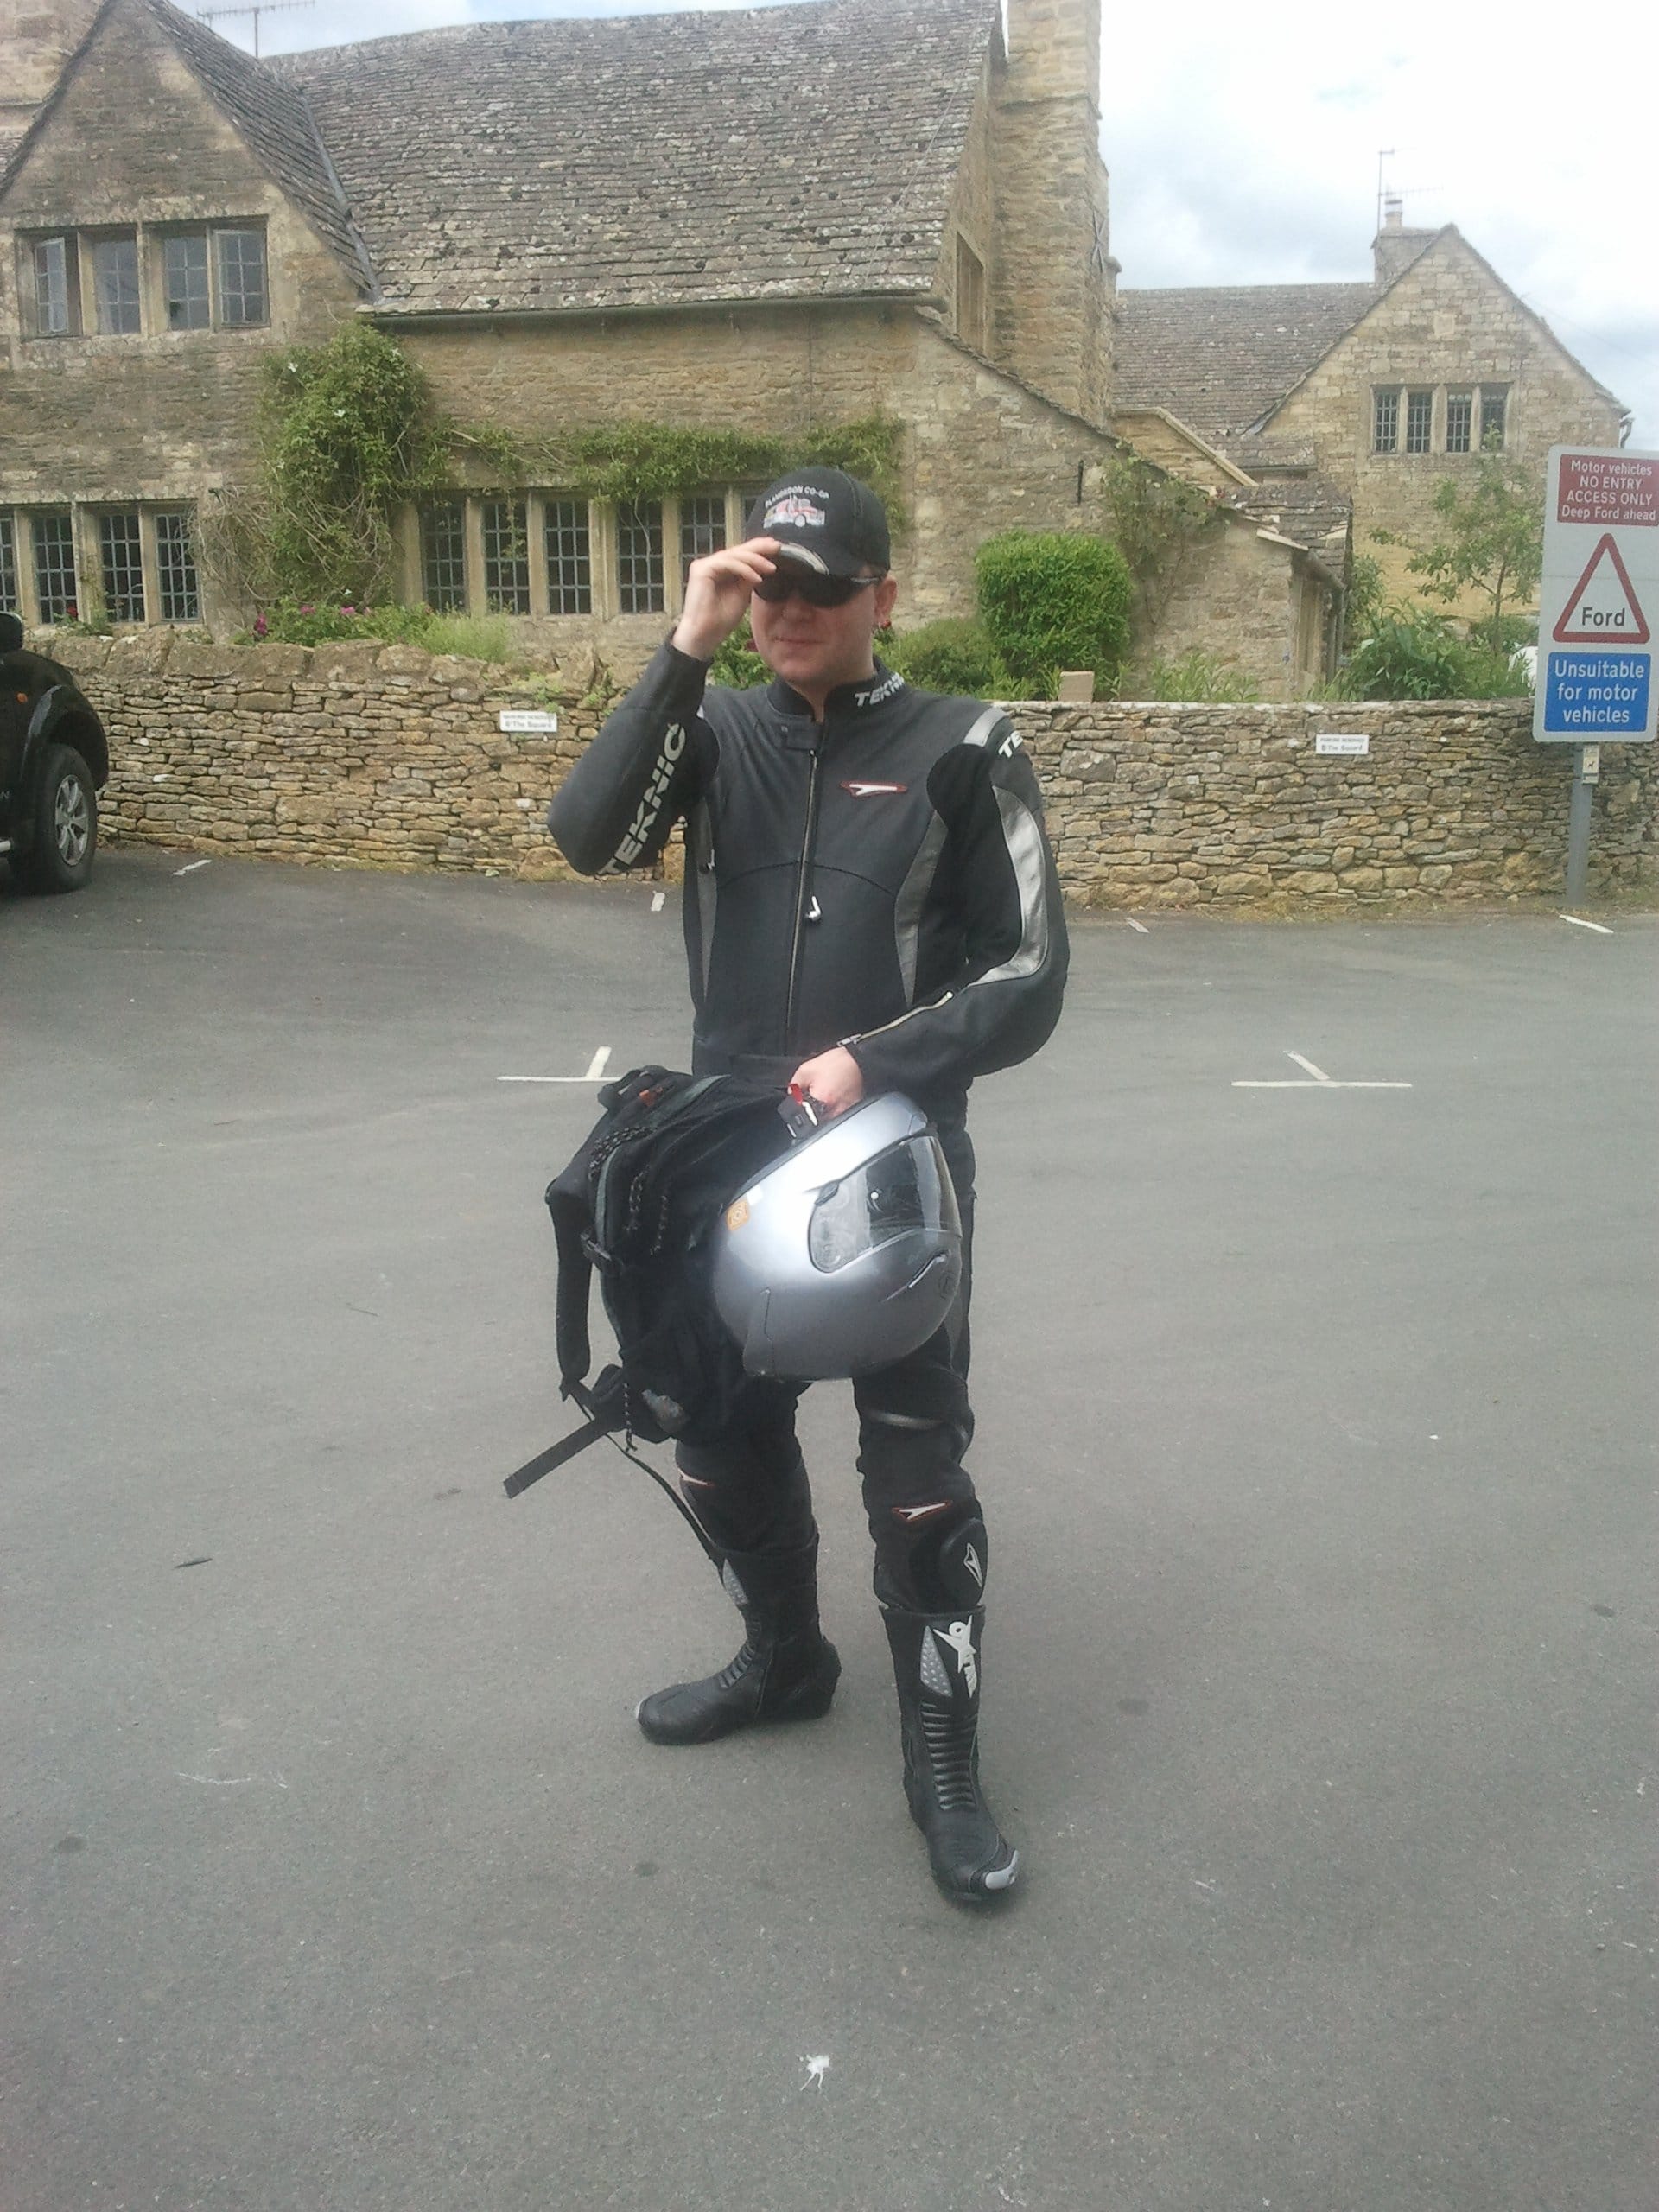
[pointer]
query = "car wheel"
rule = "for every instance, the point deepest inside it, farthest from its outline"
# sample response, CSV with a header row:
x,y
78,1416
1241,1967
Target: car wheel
x,y
66,823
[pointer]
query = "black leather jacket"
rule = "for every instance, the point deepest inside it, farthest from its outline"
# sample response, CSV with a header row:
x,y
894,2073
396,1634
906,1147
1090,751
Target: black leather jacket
x,y
879,880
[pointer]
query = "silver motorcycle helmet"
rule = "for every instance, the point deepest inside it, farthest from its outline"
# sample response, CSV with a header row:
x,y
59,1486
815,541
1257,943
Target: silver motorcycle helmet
x,y
846,1253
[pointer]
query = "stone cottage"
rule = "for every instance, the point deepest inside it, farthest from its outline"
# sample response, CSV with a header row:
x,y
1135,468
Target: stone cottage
x,y
776,221
1366,393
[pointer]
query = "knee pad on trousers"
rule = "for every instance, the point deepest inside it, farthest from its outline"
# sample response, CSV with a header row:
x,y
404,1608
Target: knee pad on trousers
x,y
933,1565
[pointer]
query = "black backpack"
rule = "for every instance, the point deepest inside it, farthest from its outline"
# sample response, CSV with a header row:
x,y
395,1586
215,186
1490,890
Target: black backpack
x,y
637,1204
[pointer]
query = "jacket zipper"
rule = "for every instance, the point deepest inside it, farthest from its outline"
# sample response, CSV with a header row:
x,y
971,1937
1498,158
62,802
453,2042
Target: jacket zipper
x,y
808,840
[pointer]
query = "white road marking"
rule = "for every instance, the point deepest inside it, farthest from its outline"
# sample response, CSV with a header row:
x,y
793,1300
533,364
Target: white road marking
x,y
1315,1080
1579,923
657,899
192,868
1134,924
235,1781
595,1071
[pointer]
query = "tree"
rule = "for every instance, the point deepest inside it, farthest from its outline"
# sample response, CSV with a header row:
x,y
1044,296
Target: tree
x,y
1492,546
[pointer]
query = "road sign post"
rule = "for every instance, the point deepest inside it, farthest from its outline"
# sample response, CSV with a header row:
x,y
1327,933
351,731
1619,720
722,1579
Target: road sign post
x,y
1598,602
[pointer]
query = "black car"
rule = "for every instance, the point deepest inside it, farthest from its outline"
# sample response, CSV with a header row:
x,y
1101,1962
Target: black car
x,y
53,762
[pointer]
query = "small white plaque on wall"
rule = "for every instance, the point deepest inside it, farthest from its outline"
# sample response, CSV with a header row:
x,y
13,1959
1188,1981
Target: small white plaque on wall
x,y
1346,742
528,721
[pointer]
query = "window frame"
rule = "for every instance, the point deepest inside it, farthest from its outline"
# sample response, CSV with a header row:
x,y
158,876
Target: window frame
x,y
121,565
219,233
165,588
631,598
95,243
1419,420
1385,406
1465,399
11,585
46,601
568,568
31,245
1496,396
178,236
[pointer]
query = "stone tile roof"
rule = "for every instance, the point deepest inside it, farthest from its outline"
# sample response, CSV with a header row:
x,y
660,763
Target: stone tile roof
x,y
272,118
1308,508
773,153
1218,356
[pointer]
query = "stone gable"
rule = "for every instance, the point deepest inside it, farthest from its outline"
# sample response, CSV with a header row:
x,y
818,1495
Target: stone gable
x,y
1448,324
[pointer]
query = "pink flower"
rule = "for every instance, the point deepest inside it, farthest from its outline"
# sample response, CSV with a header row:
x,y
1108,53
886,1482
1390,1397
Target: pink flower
x,y
261,627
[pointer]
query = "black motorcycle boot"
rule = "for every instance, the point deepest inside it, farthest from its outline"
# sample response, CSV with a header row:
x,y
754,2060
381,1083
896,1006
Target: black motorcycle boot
x,y
936,1662
786,1670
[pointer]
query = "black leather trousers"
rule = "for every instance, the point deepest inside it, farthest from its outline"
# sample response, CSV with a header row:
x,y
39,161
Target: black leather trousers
x,y
749,1487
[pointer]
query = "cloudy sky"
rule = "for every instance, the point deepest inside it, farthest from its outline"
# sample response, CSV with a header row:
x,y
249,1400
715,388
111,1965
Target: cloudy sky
x,y
1243,141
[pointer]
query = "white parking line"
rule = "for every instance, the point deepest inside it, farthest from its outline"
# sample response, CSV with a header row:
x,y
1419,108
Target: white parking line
x,y
595,1071
1316,1079
1134,924
657,902
1579,923
192,868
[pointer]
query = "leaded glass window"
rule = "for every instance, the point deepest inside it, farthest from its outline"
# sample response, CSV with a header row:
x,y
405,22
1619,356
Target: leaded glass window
x,y
1494,409
1385,422
175,568
52,292
1459,421
115,285
242,293
121,544
184,267
506,556
702,527
639,557
443,556
570,562
56,592
1420,420
9,600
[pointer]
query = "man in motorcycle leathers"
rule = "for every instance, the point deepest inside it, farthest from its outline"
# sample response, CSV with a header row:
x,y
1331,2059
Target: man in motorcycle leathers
x,y
870,905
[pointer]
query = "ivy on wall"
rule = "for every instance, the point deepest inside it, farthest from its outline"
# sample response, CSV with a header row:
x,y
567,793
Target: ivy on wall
x,y
349,432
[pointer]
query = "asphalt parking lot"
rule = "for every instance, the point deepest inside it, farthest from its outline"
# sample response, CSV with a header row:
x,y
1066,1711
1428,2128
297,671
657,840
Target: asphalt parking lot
x,y
1316,1433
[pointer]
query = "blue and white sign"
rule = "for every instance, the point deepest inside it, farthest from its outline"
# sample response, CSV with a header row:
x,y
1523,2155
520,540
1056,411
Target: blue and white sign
x,y
1589,695
1598,600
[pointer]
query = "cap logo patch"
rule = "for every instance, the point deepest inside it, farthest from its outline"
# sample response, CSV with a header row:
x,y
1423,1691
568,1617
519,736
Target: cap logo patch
x,y
794,507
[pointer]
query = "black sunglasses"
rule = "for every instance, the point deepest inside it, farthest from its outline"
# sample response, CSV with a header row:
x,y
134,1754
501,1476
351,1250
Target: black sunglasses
x,y
815,590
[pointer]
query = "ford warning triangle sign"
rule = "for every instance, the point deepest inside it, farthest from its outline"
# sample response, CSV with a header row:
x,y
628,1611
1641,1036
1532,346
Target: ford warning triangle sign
x,y
1602,609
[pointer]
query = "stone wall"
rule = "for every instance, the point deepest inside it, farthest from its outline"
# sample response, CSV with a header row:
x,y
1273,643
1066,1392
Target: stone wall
x,y
386,756
383,756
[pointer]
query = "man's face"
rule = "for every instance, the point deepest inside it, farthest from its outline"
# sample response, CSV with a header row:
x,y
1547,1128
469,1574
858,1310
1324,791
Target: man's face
x,y
815,648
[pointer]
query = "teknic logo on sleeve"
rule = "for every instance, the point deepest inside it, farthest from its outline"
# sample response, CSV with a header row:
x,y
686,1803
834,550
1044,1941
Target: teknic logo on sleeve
x,y
650,805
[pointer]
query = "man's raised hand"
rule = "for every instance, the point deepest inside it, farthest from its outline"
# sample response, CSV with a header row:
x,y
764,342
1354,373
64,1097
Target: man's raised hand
x,y
718,588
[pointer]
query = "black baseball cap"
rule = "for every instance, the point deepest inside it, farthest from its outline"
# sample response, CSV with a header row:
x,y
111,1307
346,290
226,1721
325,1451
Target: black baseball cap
x,y
826,520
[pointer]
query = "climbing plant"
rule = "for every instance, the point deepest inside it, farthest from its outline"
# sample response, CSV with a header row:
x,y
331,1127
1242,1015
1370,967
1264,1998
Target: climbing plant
x,y
349,432
1156,519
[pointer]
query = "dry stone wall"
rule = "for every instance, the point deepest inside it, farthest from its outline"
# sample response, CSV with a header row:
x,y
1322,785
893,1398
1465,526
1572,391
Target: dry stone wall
x,y
388,756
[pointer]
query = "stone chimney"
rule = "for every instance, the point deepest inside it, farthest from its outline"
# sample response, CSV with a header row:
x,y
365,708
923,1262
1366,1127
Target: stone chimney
x,y
1055,276
36,38
1395,247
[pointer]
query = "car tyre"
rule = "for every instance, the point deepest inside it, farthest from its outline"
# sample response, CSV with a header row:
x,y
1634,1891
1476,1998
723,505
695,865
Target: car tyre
x,y
66,823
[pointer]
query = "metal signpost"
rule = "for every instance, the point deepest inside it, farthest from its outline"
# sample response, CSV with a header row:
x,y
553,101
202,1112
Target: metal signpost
x,y
1598,603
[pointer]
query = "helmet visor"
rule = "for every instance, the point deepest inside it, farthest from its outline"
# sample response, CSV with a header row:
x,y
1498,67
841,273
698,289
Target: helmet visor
x,y
887,1196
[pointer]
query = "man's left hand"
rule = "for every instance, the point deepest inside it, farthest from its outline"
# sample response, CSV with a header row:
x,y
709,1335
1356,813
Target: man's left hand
x,y
834,1080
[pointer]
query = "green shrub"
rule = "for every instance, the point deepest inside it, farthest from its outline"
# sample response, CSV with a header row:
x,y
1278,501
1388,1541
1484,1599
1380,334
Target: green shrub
x,y
1197,675
952,655
478,637
1049,600
1413,653
737,665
